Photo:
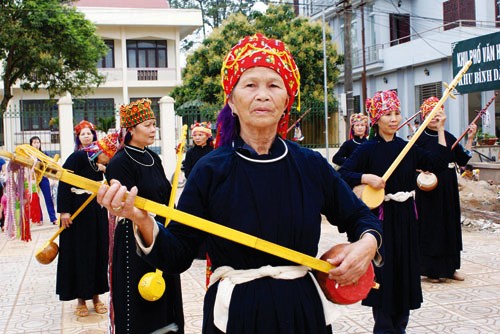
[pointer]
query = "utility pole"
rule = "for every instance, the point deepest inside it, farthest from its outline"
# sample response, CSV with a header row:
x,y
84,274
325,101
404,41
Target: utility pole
x,y
363,74
347,9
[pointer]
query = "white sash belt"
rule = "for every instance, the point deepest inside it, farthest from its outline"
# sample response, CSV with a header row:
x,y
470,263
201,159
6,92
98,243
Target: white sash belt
x,y
229,277
79,191
400,196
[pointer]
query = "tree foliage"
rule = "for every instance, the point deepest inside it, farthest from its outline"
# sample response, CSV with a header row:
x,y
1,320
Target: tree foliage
x,y
48,44
201,76
213,12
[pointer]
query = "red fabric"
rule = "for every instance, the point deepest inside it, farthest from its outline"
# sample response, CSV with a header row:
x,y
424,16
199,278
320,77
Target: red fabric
x,y
35,210
258,50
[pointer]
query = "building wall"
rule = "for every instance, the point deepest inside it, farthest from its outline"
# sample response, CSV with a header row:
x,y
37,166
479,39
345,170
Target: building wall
x,y
425,59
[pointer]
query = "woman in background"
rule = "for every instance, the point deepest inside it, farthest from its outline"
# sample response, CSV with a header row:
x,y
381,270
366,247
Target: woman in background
x,y
400,290
85,134
357,136
82,267
136,165
439,209
45,188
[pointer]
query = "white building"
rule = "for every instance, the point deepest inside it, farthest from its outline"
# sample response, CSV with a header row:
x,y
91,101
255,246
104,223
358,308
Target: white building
x,y
144,60
408,47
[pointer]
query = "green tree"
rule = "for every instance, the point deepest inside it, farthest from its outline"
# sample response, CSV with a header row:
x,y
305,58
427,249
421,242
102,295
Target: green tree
x,y
47,44
201,76
213,12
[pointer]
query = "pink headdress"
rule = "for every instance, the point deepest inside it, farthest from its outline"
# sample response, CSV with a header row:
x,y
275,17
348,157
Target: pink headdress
x,y
382,103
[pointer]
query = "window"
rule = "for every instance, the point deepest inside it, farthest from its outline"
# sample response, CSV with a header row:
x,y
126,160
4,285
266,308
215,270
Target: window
x,y
97,111
147,54
459,12
497,13
36,114
399,26
427,90
371,26
108,61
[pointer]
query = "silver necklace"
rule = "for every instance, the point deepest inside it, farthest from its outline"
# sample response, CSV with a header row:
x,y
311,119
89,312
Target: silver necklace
x,y
93,164
265,161
140,163
354,140
431,135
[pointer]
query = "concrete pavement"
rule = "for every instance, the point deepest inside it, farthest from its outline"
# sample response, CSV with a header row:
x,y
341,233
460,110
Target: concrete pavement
x,y
28,303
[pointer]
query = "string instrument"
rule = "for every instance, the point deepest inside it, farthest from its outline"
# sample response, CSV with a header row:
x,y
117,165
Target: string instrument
x,y
152,284
298,120
408,120
374,197
48,252
479,114
50,249
44,164
428,181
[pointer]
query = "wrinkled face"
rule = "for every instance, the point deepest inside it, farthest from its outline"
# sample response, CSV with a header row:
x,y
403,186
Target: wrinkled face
x,y
359,129
86,137
389,122
259,99
36,143
143,134
199,138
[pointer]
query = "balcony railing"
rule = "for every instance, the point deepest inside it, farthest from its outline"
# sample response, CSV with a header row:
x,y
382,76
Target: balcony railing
x,y
371,55
149,75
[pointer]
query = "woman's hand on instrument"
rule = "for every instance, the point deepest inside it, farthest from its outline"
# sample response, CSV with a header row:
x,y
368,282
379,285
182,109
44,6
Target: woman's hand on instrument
x,y
352,262
373,180
66,220
440,119
471,132
119,203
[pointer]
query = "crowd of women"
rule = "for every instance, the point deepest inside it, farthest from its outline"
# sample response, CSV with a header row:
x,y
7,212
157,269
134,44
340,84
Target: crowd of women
x,y
257,182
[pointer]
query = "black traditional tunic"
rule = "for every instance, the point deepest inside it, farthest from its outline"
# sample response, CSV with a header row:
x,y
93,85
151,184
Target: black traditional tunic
x,y
399,277
346,150
133,314
194,154
82,265
278,197
439,213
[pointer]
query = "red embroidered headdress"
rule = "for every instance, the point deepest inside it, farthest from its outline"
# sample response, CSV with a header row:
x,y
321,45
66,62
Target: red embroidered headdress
x,y
358,119
382,103
428,105
135,112
205,127
259,50
83,124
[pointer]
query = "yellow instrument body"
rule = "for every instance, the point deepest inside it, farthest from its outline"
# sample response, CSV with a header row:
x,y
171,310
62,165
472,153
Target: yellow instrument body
x,y
152,286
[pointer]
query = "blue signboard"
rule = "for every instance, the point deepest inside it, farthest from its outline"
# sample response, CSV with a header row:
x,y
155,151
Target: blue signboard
x,y
484,73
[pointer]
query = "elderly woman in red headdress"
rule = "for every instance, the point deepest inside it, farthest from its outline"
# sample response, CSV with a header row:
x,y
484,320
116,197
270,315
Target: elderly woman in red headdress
x,y
82,267
261,184
439,209
399,277
357,136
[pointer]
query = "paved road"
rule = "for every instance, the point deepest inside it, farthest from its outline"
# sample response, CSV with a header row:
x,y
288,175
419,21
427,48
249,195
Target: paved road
x,y
28,303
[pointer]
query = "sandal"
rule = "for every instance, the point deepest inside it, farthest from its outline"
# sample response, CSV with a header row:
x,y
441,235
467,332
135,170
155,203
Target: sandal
x,y
100,308
81,311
